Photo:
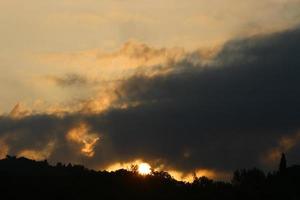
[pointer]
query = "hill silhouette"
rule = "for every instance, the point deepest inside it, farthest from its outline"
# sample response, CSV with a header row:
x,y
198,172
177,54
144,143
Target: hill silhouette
x,y
22,178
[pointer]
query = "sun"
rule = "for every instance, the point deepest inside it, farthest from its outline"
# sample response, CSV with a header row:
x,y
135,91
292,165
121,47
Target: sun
x,y
144,169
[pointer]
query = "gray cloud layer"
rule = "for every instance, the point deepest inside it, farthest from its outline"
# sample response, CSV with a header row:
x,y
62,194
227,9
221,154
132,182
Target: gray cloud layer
x,y
224,116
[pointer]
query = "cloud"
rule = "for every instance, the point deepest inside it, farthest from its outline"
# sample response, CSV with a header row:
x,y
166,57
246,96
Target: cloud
x,y
239,106
133,57
68,80
286,143
20,111
40,154
80,135
215,116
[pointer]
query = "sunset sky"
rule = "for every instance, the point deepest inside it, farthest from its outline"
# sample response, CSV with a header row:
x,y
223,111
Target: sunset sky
x,y
204,86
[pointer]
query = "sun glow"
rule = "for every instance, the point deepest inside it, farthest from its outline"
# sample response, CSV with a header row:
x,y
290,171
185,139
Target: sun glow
x,y
144,169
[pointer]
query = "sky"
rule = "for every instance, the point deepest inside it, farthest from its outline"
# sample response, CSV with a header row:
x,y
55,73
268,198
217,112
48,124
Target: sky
x,y
199,86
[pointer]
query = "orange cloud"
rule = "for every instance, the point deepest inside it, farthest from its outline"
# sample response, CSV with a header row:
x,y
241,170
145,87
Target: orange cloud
x,y
189,176
38,154
133,57
87,141
19,111
123,165
4,148
285,144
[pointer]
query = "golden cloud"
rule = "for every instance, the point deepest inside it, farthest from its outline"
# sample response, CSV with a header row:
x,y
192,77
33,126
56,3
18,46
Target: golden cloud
x,y
38,154
20,111
285,144
123,165
4,148
81,136
133,57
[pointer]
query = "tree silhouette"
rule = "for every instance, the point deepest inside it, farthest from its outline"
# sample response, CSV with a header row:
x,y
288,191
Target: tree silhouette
x,y
22,178
134,168
252,177
202,181
282,164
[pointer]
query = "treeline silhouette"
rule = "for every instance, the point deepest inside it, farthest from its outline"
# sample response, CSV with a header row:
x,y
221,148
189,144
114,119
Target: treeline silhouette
x,y
22,178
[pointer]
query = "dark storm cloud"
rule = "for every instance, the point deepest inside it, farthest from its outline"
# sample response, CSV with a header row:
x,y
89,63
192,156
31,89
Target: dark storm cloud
x,y
225,115
35,132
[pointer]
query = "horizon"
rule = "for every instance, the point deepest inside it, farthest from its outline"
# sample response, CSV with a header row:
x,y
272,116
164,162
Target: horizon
x,y
144,169
201,87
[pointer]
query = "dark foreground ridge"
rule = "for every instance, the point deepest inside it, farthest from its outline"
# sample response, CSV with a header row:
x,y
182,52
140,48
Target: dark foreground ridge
x,y
22,178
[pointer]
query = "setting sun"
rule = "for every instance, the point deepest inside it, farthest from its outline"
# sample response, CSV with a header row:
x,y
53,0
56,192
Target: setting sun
x,y
144,169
